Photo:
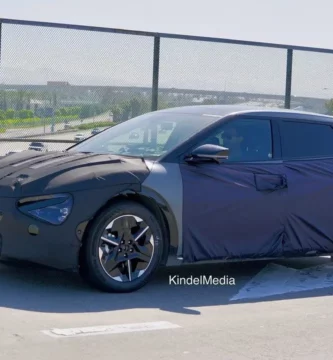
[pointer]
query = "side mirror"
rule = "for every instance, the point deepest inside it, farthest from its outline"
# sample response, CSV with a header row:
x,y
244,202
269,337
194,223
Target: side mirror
x,y
209,152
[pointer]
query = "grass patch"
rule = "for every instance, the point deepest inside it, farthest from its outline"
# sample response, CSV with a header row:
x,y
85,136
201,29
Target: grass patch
x,y
97,124
34,122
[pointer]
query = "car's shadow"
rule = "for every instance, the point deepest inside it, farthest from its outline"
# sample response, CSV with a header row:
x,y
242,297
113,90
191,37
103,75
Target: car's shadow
x,y
32,289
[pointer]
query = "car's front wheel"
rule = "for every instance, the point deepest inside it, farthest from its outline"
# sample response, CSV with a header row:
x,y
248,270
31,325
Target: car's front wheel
x,y
123,248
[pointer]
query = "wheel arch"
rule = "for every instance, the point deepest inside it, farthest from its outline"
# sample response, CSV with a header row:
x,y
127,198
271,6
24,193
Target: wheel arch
x,y
153,202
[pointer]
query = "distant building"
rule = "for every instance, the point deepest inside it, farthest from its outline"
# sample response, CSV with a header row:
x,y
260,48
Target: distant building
x,y
58,83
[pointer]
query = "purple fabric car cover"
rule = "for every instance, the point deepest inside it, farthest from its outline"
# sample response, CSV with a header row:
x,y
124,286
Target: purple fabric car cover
x,y
257,210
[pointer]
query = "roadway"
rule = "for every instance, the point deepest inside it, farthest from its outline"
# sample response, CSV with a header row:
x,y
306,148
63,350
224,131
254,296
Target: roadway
x,y
9,146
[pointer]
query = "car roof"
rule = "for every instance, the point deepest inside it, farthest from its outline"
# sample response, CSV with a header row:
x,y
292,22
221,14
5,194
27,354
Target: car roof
x,y
225,110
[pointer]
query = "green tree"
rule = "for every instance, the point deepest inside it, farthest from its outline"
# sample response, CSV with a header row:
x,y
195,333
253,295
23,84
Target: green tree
x,y
97,109
117,112
28,96
3,101
63,111
126,110
54,100
20,100
107,97
145,106
135,107
74,111
91,110
2,115
10,114
85,111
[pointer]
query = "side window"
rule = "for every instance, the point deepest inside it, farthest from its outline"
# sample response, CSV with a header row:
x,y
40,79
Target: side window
x,y
301,139
246,139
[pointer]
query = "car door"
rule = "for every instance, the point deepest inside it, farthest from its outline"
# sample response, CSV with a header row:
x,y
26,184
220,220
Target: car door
x,y
307,150
235,209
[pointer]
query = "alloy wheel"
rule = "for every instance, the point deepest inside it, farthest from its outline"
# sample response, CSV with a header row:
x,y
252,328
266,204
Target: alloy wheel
x,y
126,248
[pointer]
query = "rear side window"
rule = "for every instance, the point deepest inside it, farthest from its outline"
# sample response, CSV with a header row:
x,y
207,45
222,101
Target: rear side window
x,y
301,139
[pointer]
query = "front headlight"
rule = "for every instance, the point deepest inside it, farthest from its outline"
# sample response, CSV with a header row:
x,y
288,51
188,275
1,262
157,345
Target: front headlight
x,y
53,209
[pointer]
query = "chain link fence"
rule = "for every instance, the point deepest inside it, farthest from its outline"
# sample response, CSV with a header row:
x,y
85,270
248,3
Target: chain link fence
x,y
60,82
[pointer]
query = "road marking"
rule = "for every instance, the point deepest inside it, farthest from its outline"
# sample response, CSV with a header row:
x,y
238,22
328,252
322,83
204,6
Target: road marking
x,y
110,329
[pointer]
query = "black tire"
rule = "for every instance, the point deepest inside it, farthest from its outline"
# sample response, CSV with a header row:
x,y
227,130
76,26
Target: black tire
x,y
91,268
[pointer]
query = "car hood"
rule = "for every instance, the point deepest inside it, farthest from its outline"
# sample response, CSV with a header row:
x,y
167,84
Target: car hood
x,y
30,173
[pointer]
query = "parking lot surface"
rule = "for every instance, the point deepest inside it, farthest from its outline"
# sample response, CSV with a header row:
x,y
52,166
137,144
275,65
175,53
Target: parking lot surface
x,y
47,314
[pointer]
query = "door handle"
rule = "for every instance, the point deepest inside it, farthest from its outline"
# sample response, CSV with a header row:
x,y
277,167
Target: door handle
x,y
270,182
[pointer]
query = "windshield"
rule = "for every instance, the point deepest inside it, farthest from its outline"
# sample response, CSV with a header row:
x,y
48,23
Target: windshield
x,y
150,135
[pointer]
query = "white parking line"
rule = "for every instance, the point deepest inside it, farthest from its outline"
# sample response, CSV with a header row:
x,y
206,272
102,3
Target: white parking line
x,y
110,329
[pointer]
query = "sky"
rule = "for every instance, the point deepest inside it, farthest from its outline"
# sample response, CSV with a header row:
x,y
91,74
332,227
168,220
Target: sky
x,y
38,54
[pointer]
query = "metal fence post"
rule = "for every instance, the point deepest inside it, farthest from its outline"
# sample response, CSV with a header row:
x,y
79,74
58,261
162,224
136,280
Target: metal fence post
x,y
156,70
0,43
289,74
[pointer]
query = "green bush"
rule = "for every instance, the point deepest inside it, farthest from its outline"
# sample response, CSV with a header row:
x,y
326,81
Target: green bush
x,y
69,111
88,111
10,114
25,114
34,121
94,125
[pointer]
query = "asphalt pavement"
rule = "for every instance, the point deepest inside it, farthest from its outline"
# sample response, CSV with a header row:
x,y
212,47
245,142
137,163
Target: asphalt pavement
x,y
10,146
162,320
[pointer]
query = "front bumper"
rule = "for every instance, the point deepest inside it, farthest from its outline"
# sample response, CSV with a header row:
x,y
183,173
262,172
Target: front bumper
x,y
55,246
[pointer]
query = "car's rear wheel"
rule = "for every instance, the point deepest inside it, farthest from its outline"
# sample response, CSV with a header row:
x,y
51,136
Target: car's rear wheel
x,y
123,248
